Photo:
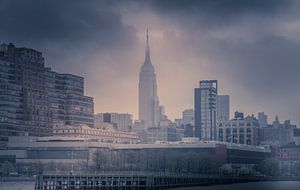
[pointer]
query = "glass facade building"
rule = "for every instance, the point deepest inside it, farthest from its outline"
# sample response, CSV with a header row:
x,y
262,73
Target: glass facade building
x,y
205,102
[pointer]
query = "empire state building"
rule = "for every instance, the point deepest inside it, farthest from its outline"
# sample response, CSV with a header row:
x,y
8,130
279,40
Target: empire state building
x,y
148,99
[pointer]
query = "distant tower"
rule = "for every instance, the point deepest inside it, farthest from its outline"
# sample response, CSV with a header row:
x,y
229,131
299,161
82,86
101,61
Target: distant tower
x,y
262,119
205,102
148,99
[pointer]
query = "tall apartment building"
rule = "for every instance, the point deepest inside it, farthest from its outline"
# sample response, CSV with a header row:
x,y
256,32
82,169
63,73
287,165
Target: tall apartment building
x,y
30,100
223,110
239,130
122,121
68,103
11,102
27,72
205,102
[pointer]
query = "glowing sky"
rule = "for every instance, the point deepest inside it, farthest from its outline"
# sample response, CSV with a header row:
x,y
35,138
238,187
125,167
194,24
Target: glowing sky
x,y
251,47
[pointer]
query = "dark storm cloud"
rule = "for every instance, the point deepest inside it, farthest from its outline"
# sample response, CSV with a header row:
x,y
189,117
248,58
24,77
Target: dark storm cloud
x,y
217,10
67,22
249,43
268,67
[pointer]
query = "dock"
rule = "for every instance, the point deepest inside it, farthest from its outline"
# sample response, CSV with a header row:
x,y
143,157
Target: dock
x,y
127,181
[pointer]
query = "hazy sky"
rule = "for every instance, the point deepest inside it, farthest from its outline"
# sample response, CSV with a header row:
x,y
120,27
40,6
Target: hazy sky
x,y
251,47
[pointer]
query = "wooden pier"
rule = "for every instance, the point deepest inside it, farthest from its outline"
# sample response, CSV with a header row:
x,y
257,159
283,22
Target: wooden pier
x,y
125,181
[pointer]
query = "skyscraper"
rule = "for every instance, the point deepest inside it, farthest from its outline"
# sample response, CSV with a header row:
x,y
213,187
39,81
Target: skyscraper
x,y
205,102
148,99
188,117
262,119
223,112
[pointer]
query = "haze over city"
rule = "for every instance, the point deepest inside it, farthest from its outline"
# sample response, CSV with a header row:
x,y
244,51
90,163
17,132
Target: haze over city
x,y
250,47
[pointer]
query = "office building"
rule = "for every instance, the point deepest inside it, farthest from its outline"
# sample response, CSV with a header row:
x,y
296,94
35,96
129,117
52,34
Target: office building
x,y
69,105
205,102
223,108
34,98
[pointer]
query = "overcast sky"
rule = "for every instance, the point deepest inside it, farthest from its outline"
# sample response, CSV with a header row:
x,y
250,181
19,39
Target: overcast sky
x,y
251,47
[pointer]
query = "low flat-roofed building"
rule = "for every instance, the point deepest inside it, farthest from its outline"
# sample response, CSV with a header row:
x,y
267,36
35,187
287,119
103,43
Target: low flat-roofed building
x,y
101,135
161,157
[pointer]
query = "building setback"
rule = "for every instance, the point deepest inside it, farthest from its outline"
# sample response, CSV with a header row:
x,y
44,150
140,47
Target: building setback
x,y
205,102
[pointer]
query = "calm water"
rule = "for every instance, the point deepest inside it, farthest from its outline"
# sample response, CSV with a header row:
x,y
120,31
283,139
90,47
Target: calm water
x,y
273,185
278,185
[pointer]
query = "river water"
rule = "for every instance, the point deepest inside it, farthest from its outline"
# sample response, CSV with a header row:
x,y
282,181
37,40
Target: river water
x,y
273,185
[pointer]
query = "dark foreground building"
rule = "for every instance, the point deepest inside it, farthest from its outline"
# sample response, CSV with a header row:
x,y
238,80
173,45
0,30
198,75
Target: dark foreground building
x,y
34,98
179,157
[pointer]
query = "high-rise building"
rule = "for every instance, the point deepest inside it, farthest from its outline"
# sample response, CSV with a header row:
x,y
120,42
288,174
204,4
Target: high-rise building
x,y
205,102
11,102
34,98
69,105
223,108
188,117
26,88
262,119
149,111
121,121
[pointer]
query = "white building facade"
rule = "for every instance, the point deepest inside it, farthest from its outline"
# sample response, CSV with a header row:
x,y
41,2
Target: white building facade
x,y
239,131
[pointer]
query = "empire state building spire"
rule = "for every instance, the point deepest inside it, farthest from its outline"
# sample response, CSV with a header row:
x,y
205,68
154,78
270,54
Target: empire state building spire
x,y
147,57
148,99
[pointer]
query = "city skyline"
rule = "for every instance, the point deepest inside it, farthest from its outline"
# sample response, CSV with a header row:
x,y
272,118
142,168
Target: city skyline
x,y
255,73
